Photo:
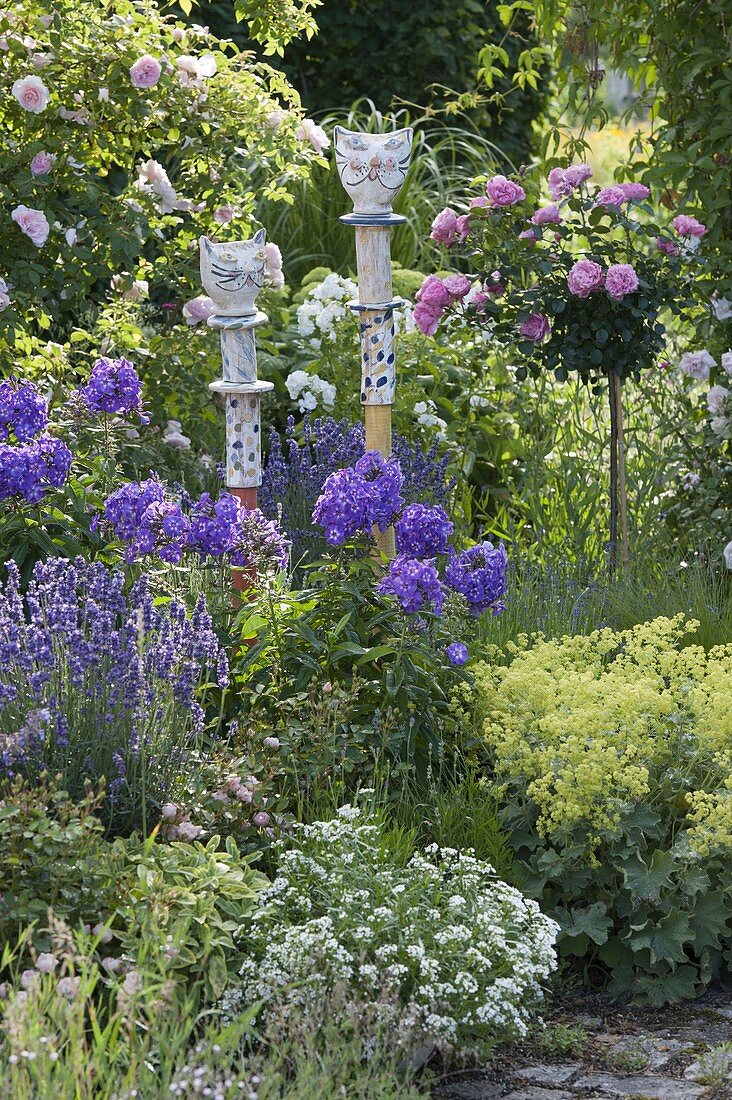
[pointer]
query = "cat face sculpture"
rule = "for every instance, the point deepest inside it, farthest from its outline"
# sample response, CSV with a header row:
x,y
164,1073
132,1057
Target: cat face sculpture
x,y
233,274
372,167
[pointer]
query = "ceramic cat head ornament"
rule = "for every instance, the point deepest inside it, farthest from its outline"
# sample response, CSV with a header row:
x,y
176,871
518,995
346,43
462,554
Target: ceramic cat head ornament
x,y
372,167
233,274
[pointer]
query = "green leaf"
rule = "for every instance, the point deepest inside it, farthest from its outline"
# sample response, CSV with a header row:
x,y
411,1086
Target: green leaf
x,y
710,920
664,940
592,921
646,881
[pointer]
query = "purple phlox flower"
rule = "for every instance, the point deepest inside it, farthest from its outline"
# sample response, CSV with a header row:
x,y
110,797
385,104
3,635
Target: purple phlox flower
x,y
423,530
258,541
29,470
414,584
23,412
113,387
457,653
479,575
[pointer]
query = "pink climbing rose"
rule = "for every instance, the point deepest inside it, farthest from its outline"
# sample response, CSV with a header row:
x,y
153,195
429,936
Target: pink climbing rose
x,y
426,318
620,280
610,196
457,286
687,226
42,164
584,277
504,192
33,223
433,293
198,309
445,227
669,248
31,93
536,327
634,191
547,215
145,72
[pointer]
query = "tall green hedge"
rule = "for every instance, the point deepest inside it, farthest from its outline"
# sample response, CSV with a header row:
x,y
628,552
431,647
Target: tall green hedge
x,y
394,50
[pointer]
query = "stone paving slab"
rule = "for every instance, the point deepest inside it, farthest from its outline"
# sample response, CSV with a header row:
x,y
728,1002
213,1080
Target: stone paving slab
x,y
550,1075
636,1085
532,1093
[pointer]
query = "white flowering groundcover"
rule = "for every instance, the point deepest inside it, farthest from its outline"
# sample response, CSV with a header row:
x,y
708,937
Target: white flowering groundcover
x,y
451,954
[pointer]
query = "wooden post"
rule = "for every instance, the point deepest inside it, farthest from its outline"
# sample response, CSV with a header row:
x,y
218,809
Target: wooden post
x,y
372,169
618,492
233,275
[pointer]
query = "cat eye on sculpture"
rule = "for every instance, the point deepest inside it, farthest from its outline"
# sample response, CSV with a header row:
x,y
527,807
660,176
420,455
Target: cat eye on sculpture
x,y
372,167
233,273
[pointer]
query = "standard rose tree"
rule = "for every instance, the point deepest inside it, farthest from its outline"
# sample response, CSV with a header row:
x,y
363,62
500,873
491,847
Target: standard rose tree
x,y
585,283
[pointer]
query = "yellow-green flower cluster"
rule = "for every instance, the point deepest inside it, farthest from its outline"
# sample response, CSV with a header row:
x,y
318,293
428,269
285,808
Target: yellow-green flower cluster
x,y
586,727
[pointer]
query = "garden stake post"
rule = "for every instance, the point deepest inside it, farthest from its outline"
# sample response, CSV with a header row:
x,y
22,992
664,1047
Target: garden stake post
x,y
372,169
233,275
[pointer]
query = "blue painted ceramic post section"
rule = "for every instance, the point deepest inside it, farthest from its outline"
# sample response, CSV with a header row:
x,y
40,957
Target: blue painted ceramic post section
x,y
372,169
233,275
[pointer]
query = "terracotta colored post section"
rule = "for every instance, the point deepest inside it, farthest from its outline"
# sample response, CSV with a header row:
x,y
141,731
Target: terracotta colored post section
x,y
233,275
372,169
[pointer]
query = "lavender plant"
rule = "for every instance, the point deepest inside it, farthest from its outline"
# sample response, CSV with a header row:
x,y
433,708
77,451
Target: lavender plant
x,y
96,682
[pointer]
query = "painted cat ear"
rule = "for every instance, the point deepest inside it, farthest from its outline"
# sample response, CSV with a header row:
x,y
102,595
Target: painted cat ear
x,y
407,133
204,242
260,236
338,133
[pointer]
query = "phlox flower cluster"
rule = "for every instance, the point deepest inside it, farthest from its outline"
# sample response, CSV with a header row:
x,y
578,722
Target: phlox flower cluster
x,y
141,515
114,387
295,472
358,498
464,955
310,389
31,463
91,676
415,584
479,575
323,307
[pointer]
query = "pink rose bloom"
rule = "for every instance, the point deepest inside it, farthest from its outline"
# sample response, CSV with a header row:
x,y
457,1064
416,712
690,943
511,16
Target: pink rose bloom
x,y
261,818
273,265
478,203
433,293
504,192
716,399
686,226
31,93
477,300
444,227
198,309
610,196
577,174
584,277
463,227
223,215
620,280
536,327
528,235
457,286
42,164
33,223
495,285
426,318
697,364
559,185
145,72
666,246
316,135
634,191
547,215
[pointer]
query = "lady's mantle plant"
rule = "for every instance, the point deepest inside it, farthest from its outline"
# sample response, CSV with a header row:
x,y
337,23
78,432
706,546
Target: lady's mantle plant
x,y
461,955
611,755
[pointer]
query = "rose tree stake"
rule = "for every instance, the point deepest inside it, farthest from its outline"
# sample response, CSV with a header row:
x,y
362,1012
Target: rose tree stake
x,y
372,169
232,275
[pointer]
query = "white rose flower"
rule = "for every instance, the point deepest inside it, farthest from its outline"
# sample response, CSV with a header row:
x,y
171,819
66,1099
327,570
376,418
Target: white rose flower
x,y
721,426
722,307
697,364
728,555
727,362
